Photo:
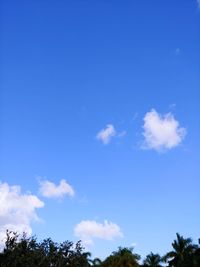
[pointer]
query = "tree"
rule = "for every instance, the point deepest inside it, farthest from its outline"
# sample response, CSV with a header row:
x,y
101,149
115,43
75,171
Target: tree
x,y
152,260
196,258
124,257
20,250
26,251
182,253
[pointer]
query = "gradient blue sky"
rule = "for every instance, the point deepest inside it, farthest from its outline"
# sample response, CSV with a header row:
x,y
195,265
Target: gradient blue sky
x,y
68,69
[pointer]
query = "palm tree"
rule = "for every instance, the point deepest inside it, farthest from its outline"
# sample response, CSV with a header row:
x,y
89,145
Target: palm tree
x,y
153,260
181,256
124,257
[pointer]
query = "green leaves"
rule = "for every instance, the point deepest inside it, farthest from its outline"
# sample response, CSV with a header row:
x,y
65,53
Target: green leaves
x,y
28,252
182,254
124,257
153,260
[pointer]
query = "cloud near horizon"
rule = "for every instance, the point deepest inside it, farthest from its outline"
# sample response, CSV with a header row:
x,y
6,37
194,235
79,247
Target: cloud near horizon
x,y
161,132
50,190
106,134
17,210
88,230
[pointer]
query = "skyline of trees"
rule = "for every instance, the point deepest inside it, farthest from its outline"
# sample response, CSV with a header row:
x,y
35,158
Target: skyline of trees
x,y
26,251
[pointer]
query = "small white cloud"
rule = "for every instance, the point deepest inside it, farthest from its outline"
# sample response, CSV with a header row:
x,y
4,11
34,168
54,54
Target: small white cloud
x,y
89,230
198,3
17,210
162,132
106,134
50,190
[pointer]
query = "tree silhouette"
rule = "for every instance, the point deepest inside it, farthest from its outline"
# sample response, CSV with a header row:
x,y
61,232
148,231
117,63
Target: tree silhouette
x,y
27,252
182,254
23,251
152,260
124,257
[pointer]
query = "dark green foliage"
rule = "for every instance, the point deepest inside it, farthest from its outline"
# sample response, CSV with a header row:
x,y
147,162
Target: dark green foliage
x,y
153,260
196,257
28,252
124,257
182,254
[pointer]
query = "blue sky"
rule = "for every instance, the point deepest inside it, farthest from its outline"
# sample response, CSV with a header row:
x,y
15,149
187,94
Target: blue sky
x,y
100,121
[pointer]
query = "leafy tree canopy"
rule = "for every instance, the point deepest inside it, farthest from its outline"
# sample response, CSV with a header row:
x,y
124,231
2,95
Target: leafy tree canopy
x,y
23,251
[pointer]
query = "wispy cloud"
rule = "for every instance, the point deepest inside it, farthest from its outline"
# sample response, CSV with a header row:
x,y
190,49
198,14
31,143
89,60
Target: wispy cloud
x,y
50,190
122,134
106,134
135,116
178,51
198,3
161,132
172,106
17,210
87,231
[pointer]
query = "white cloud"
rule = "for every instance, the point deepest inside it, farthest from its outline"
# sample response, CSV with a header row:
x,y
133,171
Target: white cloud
x,y
50,190
89,230
17,210
161,132
198,3
106,134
